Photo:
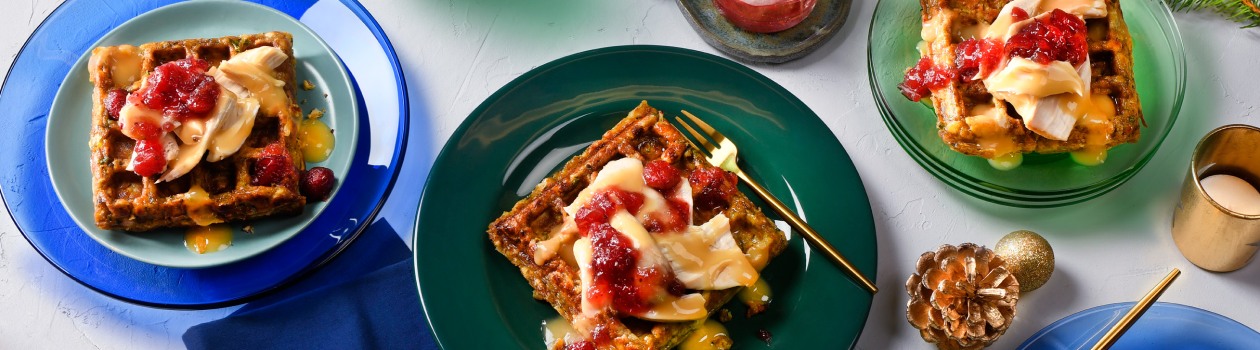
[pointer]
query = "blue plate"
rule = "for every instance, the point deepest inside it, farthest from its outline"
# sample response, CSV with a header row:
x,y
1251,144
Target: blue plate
x,y
70,31
1163,326
67,144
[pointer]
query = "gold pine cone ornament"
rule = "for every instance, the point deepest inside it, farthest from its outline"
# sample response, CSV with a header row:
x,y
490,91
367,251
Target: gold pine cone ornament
x,y
961,297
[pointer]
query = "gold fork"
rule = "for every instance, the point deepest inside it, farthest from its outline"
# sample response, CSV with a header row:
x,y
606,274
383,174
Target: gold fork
x,y
723,155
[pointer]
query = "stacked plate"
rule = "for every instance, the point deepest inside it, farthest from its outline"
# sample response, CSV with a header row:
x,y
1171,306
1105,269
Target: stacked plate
x,y
1049,180
156,269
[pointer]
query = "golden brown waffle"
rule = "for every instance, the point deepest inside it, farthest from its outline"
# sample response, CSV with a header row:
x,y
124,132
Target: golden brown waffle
x,y
126,201
645,135
1111,63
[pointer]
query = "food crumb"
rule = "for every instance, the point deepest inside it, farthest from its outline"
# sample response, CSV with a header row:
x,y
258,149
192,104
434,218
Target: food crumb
x,y
248,229
316,113
306,85
755,308
764,335
724,315
722,342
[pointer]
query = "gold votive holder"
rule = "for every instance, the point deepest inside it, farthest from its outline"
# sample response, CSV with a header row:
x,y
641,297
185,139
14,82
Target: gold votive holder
x,y
1208,234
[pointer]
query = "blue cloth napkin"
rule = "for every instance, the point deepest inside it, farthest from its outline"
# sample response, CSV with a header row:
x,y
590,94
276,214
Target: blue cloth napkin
x,y
365,298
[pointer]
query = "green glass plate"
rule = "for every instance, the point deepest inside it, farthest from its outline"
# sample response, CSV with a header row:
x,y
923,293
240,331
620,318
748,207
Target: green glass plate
x,y
67,149
1043,180
475,299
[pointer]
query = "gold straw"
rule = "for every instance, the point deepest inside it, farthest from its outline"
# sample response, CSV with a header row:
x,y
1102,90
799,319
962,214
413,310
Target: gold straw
x,y
1114,333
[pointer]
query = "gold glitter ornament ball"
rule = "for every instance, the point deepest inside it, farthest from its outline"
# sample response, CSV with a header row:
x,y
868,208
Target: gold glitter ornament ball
x,y
1028,256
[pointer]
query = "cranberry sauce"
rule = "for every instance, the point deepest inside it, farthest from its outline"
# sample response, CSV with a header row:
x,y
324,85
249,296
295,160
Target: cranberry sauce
x,y
1059,36
976,58
618,280
180,89
273,166
114,101
661,175
924,77
664,177
150,157
712,188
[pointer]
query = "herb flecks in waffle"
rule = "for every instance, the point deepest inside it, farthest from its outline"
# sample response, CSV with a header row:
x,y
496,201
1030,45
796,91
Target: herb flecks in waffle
x,y
194,132
603,240
1028,76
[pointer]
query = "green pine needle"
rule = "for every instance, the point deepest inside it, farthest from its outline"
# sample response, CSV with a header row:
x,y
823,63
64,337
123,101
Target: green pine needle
x,y
1242,11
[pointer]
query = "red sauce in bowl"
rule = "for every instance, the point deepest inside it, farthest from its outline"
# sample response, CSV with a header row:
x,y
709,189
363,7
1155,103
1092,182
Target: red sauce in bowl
x,y
765,16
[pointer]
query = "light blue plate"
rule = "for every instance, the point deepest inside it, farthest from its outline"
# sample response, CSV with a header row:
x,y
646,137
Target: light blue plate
x,y
1163,326
69,121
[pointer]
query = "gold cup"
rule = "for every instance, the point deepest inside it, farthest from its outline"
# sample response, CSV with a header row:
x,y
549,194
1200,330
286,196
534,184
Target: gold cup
x,y
1211,236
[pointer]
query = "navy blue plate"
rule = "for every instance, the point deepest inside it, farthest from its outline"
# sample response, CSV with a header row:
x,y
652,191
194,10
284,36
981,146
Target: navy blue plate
x,y
69,31
1163,326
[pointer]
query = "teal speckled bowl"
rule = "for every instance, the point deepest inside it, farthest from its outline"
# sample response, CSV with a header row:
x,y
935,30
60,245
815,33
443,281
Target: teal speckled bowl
x,y
821,24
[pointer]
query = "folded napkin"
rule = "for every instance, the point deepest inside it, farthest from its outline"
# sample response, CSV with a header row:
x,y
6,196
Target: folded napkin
x,y
366,298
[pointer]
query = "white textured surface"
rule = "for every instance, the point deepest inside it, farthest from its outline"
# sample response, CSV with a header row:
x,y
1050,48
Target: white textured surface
x,y
457,53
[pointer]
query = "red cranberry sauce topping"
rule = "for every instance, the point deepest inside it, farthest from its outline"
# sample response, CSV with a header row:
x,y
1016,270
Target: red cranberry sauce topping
x,y
180,89
976,58
712,188
618,280
273,166
150,157
614,259
601,335
924,77
582,345
114,101
615,265
602,206
661,175
673,220
145,130
1058,37
1018,14
664,177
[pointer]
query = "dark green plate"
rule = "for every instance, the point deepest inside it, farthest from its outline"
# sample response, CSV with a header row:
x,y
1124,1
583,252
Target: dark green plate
x,y
475,299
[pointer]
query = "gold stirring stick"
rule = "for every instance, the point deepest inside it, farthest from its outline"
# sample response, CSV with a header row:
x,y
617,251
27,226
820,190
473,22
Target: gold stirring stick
x,y
1137,311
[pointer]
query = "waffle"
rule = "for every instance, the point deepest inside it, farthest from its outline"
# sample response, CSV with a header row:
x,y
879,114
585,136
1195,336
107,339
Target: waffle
x,y
645,135
124,200
1111,62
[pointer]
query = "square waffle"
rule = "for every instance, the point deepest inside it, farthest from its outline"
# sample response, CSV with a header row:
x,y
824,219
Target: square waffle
x,y
124,200
644,134
1111,67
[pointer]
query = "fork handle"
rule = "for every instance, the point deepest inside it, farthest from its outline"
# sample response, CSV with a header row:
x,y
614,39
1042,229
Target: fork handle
x,y
808,232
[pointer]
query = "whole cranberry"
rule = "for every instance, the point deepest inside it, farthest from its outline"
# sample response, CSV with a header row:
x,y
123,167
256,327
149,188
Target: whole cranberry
x,y
712,188
317,183
661,175
114,101
272,167
150,158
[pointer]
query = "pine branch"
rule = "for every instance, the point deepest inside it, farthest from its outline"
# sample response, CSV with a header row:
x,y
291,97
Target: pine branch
x,y
1242,11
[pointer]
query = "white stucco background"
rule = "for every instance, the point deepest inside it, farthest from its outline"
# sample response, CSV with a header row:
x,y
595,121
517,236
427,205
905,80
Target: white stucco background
x,y
456,53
